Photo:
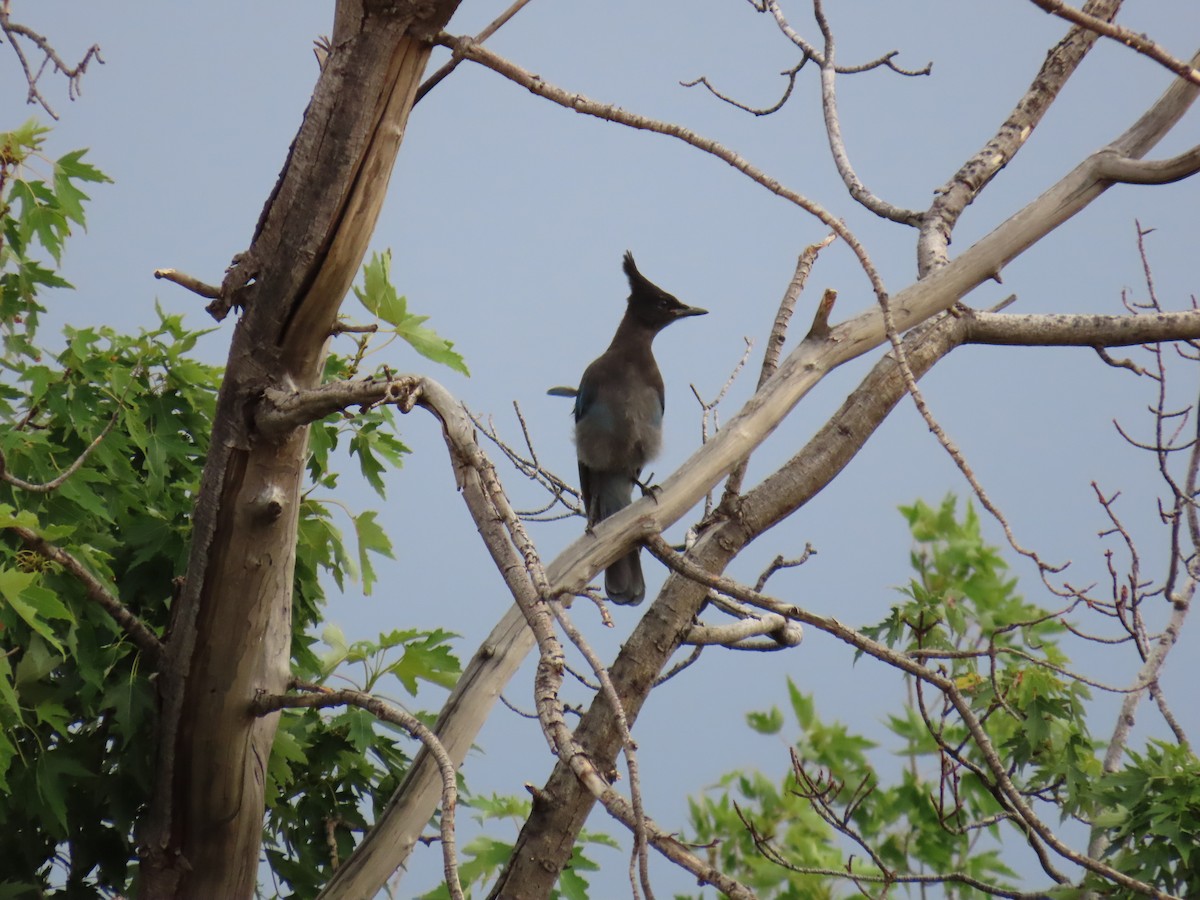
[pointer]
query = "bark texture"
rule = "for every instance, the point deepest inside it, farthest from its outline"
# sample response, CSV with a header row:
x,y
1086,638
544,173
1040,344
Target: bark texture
x,y
230,634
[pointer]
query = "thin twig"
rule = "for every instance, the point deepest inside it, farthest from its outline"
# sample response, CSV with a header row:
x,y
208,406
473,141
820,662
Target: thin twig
x,y
70,470
436,78
74,74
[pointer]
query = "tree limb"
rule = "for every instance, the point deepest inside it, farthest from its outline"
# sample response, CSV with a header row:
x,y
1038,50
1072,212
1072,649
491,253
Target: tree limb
x,y
1131,39
319,697
1060,330
141,635
612,113
74,74
952,198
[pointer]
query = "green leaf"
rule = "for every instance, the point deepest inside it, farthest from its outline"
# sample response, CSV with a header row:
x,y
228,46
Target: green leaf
x,y
572,886
360,728
380,298
371,539
770,722
34,604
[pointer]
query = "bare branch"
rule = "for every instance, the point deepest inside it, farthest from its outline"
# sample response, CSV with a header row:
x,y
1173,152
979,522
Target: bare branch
x,y
1053,330
777,338
74,74
833,128
735,635
281,411
781,563
141,635
1131,39
612,113
975,174
496,24
195,285
1157,171
756,111
319,697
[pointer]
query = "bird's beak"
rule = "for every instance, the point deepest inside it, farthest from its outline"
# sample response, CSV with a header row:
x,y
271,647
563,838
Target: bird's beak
x,y
690,311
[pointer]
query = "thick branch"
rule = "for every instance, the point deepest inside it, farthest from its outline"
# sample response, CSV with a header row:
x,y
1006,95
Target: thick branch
x,y
284,410
1080,330
669,618
961,190
1156,171
1131,39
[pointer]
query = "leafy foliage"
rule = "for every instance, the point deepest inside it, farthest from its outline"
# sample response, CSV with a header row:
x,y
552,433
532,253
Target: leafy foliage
x,y
77,700
1150,811
960,610
380,298
483,858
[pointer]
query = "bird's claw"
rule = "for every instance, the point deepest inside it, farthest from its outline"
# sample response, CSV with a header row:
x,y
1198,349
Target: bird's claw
x,y
649,490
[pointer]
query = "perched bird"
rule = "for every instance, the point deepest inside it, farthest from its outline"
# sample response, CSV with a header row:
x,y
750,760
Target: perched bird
x,y
618,418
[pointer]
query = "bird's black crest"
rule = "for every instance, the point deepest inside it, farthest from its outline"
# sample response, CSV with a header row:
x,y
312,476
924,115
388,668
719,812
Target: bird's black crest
x,y
638,283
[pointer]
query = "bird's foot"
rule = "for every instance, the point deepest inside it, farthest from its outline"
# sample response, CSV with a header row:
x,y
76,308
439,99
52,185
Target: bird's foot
x,y
649,490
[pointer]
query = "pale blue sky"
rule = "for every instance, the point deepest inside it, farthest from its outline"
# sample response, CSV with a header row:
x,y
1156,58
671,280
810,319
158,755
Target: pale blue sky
x,y
508,216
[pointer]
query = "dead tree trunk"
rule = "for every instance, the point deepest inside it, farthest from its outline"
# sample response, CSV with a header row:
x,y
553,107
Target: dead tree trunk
x,y
230,635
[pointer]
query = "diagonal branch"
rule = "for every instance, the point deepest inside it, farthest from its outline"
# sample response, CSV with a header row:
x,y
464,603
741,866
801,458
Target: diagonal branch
x,y
141,635
612,113
1131,39
55,483
496,24
964,186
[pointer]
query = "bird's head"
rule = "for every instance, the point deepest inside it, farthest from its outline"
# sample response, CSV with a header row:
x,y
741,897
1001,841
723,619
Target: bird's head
x,y
650,304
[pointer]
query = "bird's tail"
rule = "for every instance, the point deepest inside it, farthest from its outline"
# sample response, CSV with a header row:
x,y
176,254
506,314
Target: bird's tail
x,y
623,580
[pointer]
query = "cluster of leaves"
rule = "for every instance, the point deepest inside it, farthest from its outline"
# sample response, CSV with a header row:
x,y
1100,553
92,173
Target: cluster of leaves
x,y
485,856
75,703
77,699
780,840
1150,812
962,599
769,833
326,770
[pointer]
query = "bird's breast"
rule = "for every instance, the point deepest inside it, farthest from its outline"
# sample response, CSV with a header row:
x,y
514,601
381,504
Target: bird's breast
x,y
621,431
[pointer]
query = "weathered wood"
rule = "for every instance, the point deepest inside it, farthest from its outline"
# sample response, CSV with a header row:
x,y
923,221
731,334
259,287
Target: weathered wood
x,y
230,633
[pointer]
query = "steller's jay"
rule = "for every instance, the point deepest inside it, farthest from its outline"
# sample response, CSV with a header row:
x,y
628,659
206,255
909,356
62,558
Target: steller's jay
x,y
618,418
